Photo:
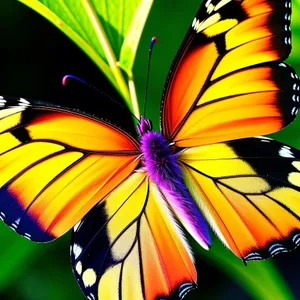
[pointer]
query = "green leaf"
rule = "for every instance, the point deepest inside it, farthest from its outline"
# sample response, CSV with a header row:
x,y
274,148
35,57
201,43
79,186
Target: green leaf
x,y
63,18
130,45
107,31
24,251
260,279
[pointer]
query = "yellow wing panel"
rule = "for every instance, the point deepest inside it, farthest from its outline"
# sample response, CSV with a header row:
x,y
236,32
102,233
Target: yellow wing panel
x,y
55,165
246,192
136,250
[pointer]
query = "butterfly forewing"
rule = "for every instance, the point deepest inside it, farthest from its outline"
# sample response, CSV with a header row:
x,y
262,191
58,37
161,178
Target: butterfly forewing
x,y
249,191
56,164
227,80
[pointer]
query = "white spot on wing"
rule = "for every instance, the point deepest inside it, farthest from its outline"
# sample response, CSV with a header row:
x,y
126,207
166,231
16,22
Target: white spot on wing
x,y
199,26
296,239
184,289
77,225
253,256
24,102
207,3
78,267
286,40
2,101
263,137
285,152
77,250
276,248
210,8
221,4
89,277
27,235
92,297
194,22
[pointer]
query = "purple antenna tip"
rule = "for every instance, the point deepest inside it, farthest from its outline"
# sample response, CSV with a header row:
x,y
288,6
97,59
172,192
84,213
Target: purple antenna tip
x,y
153,40
64,80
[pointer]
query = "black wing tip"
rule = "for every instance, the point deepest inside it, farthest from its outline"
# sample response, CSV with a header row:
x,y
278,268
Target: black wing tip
x,y
184,289
288,97
12,101
275,247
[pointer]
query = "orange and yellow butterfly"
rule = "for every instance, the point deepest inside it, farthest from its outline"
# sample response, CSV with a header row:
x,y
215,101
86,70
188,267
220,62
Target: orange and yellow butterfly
x,y
125,197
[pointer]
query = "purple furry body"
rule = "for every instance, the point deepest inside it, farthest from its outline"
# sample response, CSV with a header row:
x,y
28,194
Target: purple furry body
x,y
164,170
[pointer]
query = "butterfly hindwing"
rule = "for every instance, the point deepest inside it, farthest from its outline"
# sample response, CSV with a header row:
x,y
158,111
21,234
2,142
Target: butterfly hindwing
x,y
249,191
56,164
228,80
129,247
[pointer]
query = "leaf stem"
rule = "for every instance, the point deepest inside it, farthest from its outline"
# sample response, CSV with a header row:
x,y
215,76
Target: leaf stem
x,y
108,52
134,101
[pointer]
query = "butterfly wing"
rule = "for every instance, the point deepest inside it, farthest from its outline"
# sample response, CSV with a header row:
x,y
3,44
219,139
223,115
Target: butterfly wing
x,y
249,191
129,247
55,165
227,80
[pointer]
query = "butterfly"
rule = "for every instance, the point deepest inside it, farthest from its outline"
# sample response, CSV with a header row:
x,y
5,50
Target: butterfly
x,y
127,199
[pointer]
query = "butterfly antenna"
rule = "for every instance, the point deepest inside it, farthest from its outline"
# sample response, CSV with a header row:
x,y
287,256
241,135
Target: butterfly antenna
x,y
153,41
66,77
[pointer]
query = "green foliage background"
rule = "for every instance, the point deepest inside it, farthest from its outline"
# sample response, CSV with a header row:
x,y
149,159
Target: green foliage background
x,y
31,271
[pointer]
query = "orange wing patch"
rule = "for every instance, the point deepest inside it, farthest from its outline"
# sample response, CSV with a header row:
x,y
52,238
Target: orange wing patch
x,y
78,132
227,63
55,165
235,107
191,74
142,253
243,186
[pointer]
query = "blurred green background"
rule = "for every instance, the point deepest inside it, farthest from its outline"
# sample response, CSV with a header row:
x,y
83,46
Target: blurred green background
x,y
34,56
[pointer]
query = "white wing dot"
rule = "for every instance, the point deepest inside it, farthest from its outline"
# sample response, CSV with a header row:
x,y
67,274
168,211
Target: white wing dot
x,y
77,250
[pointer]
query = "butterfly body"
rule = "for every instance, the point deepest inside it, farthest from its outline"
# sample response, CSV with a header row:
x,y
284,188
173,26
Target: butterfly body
x,y
162,167
158,159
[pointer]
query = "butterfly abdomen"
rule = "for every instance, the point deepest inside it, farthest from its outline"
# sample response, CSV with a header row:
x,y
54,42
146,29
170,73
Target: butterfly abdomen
x,y
164,170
